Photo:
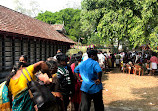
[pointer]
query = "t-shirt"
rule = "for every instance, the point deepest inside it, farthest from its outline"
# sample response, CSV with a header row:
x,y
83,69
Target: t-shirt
x,y
66,79
84,57
88,70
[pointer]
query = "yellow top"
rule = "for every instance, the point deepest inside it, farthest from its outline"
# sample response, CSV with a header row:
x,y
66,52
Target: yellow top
x,y
18,85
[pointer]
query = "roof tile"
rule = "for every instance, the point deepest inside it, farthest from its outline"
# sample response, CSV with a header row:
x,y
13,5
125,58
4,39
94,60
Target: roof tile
x,y
15,22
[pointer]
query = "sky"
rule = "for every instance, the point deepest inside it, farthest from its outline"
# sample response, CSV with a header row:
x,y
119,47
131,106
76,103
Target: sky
x,y
43,5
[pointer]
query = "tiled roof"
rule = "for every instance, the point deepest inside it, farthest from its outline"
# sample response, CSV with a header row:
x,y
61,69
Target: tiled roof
x,y
15,22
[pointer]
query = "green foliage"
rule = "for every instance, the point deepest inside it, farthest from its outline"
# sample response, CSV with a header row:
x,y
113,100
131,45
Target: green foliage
x,y
69,16
127,22
70,52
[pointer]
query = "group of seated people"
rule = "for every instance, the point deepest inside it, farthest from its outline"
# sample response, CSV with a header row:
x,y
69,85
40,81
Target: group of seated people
x,y
143,63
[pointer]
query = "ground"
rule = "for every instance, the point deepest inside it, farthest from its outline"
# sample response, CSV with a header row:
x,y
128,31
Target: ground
x,y
128,92
124,91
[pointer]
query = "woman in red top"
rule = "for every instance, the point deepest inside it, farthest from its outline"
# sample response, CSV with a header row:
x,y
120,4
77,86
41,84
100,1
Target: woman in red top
x,y
153,63
76,99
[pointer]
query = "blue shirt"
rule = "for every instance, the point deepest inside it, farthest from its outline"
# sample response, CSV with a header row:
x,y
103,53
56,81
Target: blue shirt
x,y
88,70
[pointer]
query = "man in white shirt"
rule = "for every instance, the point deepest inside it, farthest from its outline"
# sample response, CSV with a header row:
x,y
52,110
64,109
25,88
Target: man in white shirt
x,y
101,59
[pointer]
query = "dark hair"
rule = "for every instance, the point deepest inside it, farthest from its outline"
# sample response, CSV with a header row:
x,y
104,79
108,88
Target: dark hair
x,y
62,57
24,56
78,57
52,63
80,52
88,49
72,60
154,54
92,52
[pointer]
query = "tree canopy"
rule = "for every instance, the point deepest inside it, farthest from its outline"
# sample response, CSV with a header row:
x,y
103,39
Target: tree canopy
x,y
69,16
126,22
112,22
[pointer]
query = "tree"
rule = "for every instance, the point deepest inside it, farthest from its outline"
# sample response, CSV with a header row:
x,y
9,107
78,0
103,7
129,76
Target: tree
x,y
145,30
128,22
69,16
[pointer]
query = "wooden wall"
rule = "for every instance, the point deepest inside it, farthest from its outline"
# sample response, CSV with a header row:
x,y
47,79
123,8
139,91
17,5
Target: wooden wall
x,y
11,48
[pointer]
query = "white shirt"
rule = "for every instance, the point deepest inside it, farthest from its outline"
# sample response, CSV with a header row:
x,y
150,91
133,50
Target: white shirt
x,y
85,56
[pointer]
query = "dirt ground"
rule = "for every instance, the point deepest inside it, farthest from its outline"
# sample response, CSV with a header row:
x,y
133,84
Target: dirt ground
x,y
131,92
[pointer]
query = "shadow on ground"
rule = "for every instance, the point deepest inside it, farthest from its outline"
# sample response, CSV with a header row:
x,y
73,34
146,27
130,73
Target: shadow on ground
x,y
148,100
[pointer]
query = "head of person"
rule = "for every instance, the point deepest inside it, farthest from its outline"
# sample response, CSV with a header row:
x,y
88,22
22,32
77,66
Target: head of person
x,y
80,52
93,54
23,58
72,60
62,59
18,66
88,49
139,53
154,54
51,66
78,57
99,51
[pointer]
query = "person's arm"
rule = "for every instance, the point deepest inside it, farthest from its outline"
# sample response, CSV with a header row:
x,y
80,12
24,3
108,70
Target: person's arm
x,y
99,75
79,79
72,67
76,71
41,65
98,70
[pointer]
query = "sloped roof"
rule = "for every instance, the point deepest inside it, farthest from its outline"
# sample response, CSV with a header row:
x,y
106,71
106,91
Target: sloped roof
x,y
15,22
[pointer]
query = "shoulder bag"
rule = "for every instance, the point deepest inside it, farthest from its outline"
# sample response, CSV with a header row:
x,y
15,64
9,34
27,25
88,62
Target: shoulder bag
x,y
41,95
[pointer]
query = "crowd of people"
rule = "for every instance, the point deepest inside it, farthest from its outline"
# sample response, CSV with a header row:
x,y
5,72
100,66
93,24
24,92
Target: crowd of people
x,y
75,80
70,80
147,60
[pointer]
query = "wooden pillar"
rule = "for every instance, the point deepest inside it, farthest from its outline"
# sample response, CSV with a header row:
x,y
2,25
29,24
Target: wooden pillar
x,y
57,47
50,49
3,53
21,46
1,36
29,51
40,49
35,57
13,51
45,56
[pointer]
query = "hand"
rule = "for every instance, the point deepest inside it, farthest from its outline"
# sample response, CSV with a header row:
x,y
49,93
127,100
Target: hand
x,y
97,81
80,80
58,94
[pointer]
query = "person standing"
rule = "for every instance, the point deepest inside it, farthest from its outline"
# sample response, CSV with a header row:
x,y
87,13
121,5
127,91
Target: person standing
x,y
66,79
85,55
153,63
101,59
17,85
76,98
91,87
